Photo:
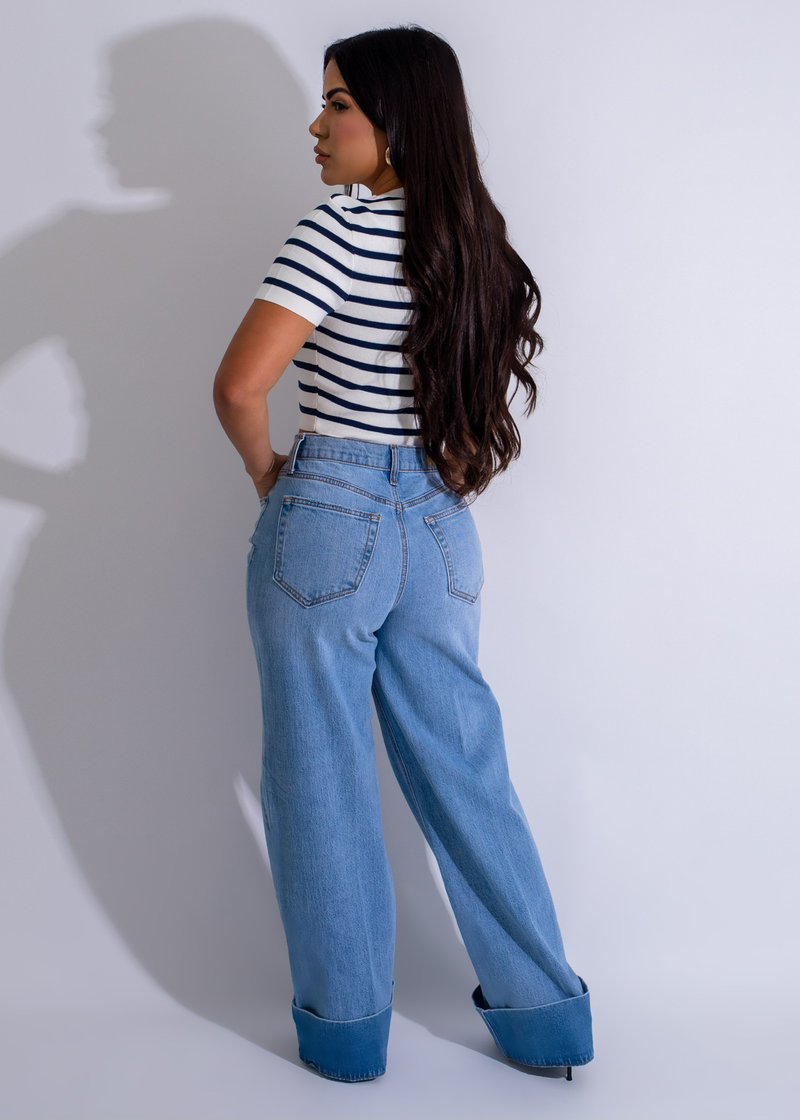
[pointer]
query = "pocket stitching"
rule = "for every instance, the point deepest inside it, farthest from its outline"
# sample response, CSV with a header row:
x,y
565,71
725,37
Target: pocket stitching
x,y
369,547
431,517
441,539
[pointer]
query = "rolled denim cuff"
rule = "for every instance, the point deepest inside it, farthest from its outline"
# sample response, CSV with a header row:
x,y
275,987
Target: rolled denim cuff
x,y
553,1034
344,1049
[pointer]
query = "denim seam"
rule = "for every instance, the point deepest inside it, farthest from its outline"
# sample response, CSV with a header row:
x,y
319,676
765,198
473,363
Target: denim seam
x,y
355,462
449,512
445,553
363,514
536,1006
368,493
426,496
422,818
356,439
264,804
444,547
344,1077
581,1060
404,569
348,1022
345,486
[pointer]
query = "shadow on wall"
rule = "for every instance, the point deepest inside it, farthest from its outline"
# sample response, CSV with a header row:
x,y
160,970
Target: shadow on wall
x,y
127,645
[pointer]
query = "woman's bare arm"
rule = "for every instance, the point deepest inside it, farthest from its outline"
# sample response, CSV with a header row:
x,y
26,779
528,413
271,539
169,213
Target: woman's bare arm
x,y
267,339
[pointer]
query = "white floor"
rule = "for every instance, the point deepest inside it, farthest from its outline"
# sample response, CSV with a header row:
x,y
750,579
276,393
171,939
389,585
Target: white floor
x,y
164,1062
86,1033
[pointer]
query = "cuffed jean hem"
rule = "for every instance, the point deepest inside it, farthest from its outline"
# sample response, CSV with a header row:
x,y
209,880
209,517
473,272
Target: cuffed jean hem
x,y
553,1034
344,1049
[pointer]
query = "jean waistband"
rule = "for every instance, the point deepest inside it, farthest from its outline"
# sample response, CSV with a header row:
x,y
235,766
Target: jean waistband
x,y
368,453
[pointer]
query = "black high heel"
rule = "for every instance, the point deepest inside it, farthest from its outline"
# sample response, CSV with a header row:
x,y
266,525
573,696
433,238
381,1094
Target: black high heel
x,y
544,1071
541,1071
552,1071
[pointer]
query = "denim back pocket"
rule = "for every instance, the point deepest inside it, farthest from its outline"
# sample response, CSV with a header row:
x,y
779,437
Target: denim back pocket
x,y
457,536
322,550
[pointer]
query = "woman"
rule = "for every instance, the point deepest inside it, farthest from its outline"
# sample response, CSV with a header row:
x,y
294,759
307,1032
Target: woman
x,y
406,313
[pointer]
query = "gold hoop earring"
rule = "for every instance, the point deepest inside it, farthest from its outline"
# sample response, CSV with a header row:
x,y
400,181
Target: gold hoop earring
x,y
386,157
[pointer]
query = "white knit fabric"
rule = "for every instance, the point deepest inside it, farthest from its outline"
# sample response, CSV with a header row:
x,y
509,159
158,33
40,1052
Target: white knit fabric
x,y
340,269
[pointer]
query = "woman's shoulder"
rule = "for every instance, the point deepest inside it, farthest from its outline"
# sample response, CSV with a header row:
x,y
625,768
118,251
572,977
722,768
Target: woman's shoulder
x,y
348,219
332,211
382,213
336,202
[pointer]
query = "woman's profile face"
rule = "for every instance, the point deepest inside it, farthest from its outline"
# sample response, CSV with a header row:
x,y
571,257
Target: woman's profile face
x,y
354,149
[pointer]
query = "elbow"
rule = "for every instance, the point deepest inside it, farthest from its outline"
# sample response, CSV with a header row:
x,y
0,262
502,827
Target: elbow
x,y
225,396
232,392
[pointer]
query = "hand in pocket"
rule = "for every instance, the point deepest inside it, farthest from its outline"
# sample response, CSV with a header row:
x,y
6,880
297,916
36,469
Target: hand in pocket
x,y
267,481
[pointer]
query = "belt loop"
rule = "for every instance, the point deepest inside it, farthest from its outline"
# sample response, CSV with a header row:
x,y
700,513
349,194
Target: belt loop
x,y
395,464
298,439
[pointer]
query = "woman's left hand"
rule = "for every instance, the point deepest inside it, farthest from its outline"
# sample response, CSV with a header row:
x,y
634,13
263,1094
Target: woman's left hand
x,y
267,481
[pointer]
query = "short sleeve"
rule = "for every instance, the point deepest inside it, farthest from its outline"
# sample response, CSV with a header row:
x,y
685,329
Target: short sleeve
x,y
313,272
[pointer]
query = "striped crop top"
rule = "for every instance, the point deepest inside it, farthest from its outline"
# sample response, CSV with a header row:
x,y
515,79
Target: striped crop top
x,y
340,268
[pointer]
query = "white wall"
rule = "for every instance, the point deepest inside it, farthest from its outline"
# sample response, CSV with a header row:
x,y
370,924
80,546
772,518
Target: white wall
x,y
640,614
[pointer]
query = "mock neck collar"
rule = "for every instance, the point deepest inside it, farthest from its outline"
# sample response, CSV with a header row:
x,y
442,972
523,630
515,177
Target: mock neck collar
x,y
396,192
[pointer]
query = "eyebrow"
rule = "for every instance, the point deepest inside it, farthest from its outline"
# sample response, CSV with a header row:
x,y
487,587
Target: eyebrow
x,y
337,89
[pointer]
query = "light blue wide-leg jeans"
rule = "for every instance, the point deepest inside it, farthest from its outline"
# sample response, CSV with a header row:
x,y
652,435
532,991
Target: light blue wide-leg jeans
x,y
364,578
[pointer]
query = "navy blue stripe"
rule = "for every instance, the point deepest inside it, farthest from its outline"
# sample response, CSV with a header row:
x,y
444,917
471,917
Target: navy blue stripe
x,y
370,204
311,274
396,303
370,322
389,392
345,403
384,390
362,365
369,278
314,348
356,424
310,247
337,217
375,210
299,292
375,256
350,226
380,346
378,232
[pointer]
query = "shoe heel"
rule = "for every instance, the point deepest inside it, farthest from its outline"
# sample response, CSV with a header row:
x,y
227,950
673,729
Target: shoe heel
x,y
544,1071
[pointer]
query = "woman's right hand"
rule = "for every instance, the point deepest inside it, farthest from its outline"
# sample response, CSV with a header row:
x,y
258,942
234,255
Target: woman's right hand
x,y
265,483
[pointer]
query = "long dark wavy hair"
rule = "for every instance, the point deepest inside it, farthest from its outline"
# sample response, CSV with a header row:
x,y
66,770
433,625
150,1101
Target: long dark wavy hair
x,y
476,302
